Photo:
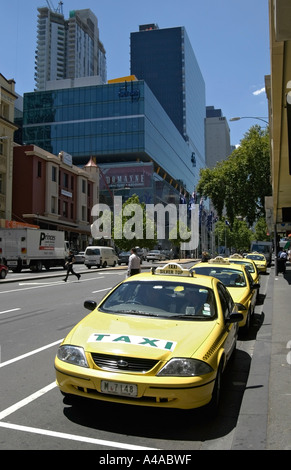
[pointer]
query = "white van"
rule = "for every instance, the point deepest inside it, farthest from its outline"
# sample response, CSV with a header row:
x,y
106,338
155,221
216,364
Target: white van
x,y
100,256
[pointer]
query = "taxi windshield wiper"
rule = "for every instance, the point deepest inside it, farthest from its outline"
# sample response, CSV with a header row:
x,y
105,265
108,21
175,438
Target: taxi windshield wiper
x,y
187,317
138,312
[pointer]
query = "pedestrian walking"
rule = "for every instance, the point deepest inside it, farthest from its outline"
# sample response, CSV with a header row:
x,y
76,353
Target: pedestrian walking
x,y
133,263
69,266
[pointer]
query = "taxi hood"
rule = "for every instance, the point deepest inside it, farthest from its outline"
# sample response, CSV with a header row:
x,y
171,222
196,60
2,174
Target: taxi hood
x,y
140,336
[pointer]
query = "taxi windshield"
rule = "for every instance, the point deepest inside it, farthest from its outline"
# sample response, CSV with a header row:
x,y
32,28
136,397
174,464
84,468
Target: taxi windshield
x,y
163,299
230,277
256,257
247,264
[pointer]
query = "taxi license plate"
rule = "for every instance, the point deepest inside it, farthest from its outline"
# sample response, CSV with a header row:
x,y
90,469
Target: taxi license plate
x,y
116,388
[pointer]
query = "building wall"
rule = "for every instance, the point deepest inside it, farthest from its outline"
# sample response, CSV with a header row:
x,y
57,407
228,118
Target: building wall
x,y
117,122
7,128
68,48
164,58
51,192
217,137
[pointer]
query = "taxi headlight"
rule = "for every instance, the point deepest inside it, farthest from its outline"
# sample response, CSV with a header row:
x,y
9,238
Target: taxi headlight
x,y
183,367
72,354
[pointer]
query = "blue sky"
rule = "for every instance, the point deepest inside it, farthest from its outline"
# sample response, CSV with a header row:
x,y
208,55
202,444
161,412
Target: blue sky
x,y
230,39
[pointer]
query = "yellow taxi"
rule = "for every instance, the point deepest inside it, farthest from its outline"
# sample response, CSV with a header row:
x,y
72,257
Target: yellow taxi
x,y
248,263
260,261
237,280
159,339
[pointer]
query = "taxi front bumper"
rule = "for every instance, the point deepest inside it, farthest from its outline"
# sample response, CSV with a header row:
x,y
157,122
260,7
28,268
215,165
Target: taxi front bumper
x,y
166,392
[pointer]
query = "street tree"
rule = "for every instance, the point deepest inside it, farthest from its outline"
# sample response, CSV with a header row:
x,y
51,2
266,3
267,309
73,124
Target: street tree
x,y
239,184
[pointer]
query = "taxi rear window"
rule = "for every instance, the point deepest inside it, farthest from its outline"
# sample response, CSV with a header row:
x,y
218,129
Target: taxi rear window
x,y
171,300
228,276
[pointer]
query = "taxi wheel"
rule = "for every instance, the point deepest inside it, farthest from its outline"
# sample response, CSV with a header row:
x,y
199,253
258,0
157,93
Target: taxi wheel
x,y
246,327
213,405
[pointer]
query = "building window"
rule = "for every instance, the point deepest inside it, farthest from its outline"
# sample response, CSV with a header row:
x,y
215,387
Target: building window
x,y
66,180
84,187
54,205
39,165
1,184
84,212
54,174
65,209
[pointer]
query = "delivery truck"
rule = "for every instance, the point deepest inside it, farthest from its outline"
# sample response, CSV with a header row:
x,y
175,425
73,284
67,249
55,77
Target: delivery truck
x,y
22,248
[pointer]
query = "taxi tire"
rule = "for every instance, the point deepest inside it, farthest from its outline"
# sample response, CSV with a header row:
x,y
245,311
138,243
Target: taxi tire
x,y
246,327
213,405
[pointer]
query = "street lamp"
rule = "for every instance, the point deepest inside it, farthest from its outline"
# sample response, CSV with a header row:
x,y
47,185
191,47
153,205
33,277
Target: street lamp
x,y
249,117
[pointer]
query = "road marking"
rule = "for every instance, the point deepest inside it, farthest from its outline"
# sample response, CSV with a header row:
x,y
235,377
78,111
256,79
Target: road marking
x,y
31,353
74,437
46,284
60,435
25,401
100,290
11,310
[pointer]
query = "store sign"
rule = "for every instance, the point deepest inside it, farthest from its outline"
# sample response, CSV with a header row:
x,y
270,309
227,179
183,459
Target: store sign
x,y
134,177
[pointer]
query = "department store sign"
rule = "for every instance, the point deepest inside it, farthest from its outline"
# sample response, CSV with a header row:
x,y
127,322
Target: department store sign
x,y
134,177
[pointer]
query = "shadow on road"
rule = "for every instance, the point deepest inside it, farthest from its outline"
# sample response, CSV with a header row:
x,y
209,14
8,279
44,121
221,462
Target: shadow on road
x,y
167,424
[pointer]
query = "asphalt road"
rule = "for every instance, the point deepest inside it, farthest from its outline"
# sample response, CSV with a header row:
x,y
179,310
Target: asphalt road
x,y
35,314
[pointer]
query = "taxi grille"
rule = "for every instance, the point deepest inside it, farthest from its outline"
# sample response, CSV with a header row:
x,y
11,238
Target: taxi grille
x,y
123,363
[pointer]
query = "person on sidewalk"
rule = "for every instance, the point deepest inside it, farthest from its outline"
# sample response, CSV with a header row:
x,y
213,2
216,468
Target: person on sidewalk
x,y
69,266
133,263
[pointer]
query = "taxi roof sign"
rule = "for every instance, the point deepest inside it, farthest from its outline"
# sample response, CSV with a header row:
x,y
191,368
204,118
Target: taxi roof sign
x,y
219,259
173,269
236,256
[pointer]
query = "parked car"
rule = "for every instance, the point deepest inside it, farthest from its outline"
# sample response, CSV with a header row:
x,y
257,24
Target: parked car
x,y
238,281
155,255
3,271
123,257
80,257
100,256
159,339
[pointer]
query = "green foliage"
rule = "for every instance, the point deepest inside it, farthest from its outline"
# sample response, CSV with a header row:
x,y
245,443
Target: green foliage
x,y
237,237
240,183
133,224
261,230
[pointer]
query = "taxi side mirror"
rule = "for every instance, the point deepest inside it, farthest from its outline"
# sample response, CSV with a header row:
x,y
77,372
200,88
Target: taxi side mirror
x,y
235,317
90,304
256,286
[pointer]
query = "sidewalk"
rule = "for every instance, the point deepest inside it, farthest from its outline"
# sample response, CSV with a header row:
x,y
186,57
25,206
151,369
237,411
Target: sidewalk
x,y
265,417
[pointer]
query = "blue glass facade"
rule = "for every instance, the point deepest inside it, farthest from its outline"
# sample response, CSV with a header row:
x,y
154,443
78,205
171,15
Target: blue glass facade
x,y
164,58
119,122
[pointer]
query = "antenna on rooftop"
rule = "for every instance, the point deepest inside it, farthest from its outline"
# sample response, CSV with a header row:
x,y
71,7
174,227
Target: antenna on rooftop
x,y
59,9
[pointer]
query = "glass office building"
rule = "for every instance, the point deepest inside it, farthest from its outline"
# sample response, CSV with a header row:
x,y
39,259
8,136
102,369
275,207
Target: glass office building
x,y
165,59
115,123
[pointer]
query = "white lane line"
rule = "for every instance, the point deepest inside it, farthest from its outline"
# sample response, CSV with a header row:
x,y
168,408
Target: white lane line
x,y
100,290
31,353
60,435
45,284
25,401
11,310
74,437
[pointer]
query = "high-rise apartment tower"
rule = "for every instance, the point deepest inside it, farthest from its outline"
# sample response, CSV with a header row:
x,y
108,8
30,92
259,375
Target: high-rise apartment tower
x,y
68,48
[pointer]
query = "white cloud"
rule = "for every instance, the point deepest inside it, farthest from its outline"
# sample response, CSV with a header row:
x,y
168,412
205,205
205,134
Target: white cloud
x,y
259,92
